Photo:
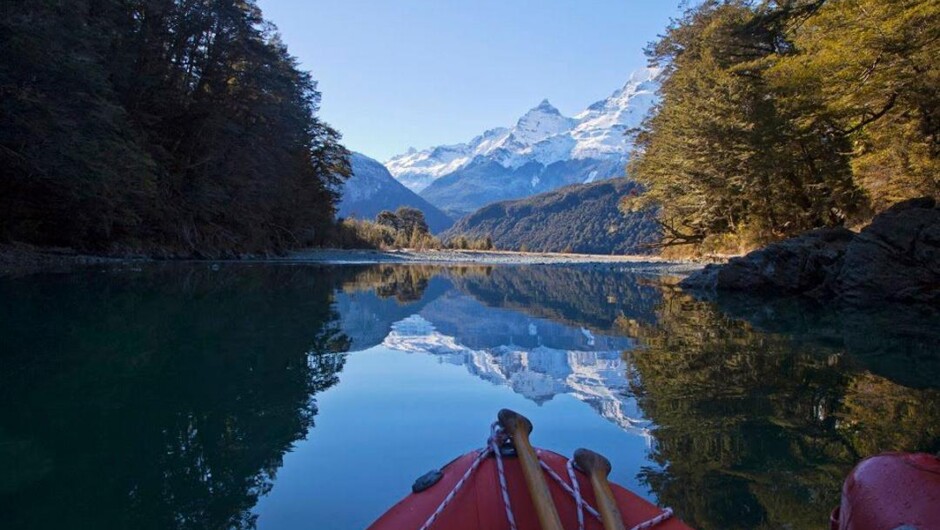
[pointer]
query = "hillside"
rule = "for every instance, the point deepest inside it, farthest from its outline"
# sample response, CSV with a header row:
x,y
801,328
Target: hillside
x,y
371,189
582,218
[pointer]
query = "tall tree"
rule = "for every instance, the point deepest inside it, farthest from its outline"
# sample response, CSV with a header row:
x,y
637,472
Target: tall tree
x,y
412,221
724,162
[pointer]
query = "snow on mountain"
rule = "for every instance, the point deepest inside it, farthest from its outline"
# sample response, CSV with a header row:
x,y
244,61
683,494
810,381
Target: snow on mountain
x,y
601,129
538,124
543,136
417,169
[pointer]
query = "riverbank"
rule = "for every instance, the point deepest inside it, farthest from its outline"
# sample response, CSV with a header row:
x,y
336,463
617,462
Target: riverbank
x,y
896,258
486,257
25,259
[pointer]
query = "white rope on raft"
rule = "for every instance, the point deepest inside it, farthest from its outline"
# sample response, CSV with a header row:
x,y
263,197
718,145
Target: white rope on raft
x,y
667,513
492,446
578,501
497,438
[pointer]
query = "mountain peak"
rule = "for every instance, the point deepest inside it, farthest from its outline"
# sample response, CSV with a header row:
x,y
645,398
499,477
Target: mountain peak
x,y
545,106
542,135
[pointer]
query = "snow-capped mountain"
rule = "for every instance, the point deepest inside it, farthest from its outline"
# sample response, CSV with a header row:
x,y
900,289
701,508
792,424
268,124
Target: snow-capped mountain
x,y
542,151
601,129
372,189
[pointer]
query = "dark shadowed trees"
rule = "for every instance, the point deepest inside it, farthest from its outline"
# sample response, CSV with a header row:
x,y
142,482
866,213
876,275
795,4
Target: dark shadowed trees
x,y
159,124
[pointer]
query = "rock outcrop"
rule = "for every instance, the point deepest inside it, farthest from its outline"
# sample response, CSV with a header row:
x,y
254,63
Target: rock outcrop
x,y
895,258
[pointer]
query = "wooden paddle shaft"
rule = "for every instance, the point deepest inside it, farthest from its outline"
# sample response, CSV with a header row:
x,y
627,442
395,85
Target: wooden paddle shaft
x,y
597,467
518,428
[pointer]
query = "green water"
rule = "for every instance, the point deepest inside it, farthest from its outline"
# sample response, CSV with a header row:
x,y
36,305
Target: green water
x,y
300,396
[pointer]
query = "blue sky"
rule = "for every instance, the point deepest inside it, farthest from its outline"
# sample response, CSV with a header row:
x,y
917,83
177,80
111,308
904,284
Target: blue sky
x,y
401,73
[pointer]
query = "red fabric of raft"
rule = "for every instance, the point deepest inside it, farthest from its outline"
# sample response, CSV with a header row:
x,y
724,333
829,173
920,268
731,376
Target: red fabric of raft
x,y
479,504
891,491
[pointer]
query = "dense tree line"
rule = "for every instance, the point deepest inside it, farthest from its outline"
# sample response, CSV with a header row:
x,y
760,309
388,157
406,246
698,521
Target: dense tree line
x,y
778,116
181,125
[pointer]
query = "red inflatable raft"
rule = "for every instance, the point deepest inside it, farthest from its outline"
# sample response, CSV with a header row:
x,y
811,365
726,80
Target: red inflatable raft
x,y
472,493
892,491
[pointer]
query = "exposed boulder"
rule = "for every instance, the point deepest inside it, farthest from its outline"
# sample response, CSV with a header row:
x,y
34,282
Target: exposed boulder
x,y
895,258
806,264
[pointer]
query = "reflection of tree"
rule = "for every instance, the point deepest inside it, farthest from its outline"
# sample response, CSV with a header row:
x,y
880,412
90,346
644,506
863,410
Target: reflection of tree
x,y
878,415
406,283
158,400
895,341
579,296
757,430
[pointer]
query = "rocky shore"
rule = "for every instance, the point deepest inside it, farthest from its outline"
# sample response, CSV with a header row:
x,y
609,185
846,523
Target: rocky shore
x,y
896,258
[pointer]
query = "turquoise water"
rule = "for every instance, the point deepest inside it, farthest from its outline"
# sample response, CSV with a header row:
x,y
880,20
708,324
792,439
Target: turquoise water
x,y
296,396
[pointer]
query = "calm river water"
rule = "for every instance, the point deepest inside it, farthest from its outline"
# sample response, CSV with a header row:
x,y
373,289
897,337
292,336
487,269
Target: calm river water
x,y
299,396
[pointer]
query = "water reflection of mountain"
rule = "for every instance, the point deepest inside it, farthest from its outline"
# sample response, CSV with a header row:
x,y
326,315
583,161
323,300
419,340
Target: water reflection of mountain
x,y
592,297
537,357
488,307
367,310
478,325
594,376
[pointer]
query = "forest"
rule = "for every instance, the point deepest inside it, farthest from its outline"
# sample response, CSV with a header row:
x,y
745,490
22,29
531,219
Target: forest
x,y
160,127
779,116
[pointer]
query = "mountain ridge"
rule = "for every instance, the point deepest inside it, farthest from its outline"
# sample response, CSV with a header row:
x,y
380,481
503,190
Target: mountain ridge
x,y
371,189
542,151
541,135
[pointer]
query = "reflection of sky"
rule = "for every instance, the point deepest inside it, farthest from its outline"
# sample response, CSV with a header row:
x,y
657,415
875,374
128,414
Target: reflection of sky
x,y
421,413
425,385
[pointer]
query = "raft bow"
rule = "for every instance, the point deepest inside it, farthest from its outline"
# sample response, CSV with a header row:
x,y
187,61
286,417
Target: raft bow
x,y
511,485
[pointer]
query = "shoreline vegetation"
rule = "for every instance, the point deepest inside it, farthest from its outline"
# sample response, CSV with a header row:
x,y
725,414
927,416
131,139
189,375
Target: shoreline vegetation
x,y
170,128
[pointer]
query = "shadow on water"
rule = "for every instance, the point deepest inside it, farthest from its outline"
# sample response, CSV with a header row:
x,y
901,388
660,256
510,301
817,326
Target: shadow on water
x,y
160,399
167,398
761,407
